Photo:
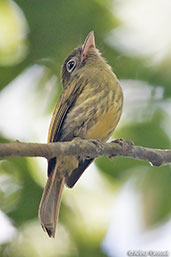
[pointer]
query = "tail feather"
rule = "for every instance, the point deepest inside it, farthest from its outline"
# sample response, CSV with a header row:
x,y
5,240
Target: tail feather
x,y
50,202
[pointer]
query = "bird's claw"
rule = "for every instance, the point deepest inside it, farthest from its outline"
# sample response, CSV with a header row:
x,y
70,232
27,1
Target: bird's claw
x,y
98,144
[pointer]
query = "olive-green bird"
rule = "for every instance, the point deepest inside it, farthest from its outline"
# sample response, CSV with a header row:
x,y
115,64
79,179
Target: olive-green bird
x,y
89,107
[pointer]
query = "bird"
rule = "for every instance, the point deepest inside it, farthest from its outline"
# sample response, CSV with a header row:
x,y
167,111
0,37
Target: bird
x,y
89,107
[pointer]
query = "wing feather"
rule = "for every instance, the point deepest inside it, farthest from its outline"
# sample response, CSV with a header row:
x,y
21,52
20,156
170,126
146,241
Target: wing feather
x,y
67,98
65,101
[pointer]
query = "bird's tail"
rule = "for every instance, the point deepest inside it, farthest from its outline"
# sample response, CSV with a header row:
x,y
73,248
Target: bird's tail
x,y
51,201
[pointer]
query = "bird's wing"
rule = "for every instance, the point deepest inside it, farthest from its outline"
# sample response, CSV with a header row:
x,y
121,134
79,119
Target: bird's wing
x,y
65,101
76,174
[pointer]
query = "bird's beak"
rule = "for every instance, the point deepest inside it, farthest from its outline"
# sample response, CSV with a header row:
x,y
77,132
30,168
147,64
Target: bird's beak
x,y
88,43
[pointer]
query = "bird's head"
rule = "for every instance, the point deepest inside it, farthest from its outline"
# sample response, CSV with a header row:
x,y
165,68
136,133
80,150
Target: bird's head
x,y
86,56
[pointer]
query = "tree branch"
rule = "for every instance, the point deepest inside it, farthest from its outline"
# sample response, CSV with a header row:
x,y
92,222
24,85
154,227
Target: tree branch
x,y
86,149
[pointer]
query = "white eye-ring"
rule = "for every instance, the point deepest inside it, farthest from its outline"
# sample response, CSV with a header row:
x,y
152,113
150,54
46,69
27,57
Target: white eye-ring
x,y
71,65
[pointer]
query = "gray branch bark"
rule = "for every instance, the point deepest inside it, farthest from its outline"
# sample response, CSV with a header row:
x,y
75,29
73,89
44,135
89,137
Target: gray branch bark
x,y
86,149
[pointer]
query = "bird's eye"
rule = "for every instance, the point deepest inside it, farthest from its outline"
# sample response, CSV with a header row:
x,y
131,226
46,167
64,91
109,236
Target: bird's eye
x,y
71,65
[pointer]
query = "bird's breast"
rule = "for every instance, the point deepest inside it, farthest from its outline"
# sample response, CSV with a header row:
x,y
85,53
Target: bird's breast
x,y
106,120
96,112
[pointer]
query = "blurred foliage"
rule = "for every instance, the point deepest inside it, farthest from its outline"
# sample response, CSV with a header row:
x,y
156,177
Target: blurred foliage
x,y
49,31
26,191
